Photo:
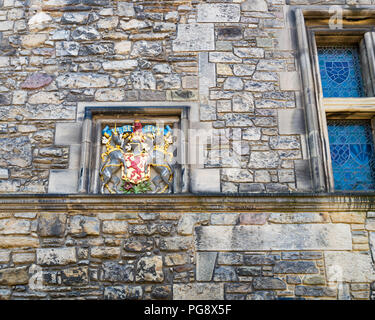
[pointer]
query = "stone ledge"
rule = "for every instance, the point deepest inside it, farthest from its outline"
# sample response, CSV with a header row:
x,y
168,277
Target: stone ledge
x,y
215,202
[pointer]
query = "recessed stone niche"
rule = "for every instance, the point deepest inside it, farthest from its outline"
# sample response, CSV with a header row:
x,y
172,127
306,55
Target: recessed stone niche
x,y
134,150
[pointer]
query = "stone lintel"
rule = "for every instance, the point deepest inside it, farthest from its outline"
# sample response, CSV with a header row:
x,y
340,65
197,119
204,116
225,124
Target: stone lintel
x,y
274,237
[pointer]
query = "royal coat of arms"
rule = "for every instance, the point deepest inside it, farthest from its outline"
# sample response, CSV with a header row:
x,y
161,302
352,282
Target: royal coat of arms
x,y
143,155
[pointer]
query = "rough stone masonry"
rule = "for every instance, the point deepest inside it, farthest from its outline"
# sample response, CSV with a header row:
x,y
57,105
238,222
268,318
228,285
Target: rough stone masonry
x,y
235,63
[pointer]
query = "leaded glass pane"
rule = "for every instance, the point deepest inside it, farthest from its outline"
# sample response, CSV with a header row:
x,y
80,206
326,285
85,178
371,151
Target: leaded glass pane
x,y
352,153
340,72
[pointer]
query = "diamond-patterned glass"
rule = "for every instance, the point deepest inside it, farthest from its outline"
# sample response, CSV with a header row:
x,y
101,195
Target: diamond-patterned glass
x,y
340,72
352,153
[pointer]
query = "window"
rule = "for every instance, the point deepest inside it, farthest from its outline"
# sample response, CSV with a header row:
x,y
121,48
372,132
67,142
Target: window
x,y
340,71
352,154
338,80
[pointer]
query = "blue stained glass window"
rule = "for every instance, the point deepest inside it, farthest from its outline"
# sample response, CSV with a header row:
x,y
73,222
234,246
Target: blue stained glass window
x,y
352,153
340,72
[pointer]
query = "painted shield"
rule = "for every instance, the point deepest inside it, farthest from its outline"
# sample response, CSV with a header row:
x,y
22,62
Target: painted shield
x,y
136,167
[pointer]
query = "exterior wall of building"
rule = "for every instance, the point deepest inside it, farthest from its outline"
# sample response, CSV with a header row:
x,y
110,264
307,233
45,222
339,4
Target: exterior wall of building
x,y
187,247
234,63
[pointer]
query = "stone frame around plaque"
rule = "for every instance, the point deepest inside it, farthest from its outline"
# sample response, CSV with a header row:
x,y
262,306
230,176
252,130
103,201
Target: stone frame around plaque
x,y
97,117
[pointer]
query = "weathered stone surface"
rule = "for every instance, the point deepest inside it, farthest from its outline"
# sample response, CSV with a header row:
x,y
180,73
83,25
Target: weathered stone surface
x,y
254,5
14,226
115,227
175,243
14,276
205,264
82,80
349,266
115,272
189,220
143,80
37,80
259,259
264,160
267,283
85,33
146,49
237,175
295,267
249,271
315,291
120,65
253,218
45,98
39,21
224,218
198,291
138,244
125,9
218,12
67,48
124,292
18,242
194,37
34,40
56,256
150,269
75,276
298,217
225,274
274,237
15,151
109,95
51,225
229,258
82,226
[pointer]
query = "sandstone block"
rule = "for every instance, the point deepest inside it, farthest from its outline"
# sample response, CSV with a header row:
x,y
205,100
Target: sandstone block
x,y
56,256
18,242
189,220
34,40
51,225
150,269
115,227
14,276
14,226
82,226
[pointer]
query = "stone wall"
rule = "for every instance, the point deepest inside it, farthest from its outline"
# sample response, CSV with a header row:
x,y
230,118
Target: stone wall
x,y
237,59
95,247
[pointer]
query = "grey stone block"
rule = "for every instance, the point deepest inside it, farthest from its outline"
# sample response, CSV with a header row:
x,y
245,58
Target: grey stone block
x,y
349,266
63,181
4,173
291,121
218,12
198,291
274,237
205,265
194,37
68,133
205,180
295,267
